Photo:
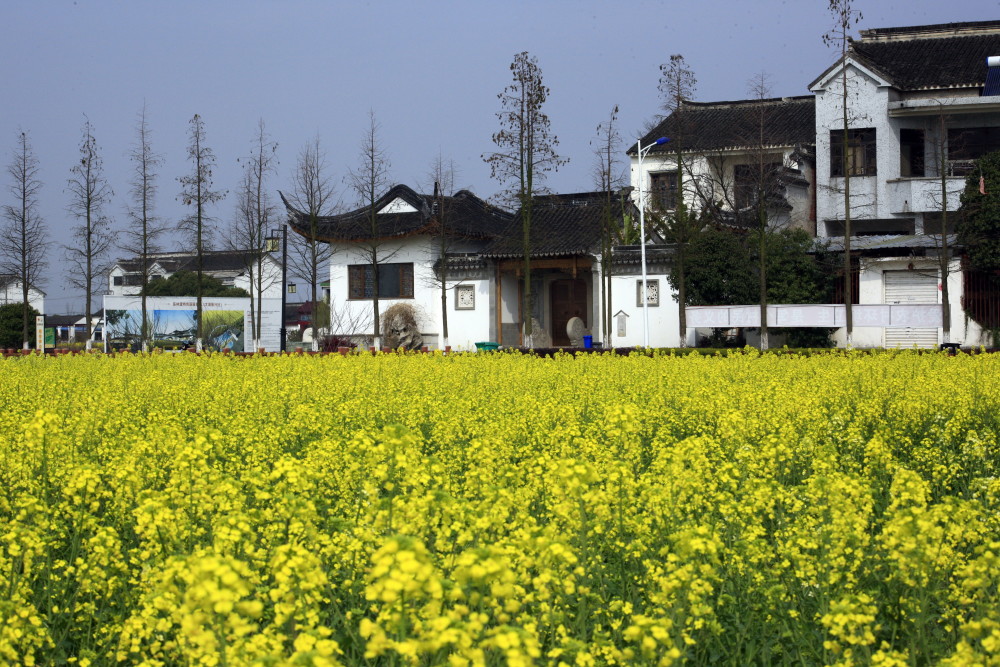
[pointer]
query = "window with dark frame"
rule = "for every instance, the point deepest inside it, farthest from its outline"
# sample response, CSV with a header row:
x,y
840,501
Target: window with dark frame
x,y
748,179
663,188
395,281
968,144
860,158
911,153
127,280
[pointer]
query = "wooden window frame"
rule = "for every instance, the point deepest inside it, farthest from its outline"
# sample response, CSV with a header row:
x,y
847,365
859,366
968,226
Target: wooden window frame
x,y
663,189
862,147
361,282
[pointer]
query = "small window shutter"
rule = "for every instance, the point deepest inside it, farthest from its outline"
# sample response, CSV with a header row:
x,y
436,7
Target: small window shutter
x,y
406,280
356,281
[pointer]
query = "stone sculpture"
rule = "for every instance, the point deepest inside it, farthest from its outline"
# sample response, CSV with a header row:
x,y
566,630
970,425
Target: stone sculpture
x,y
401,329
576,330
539,336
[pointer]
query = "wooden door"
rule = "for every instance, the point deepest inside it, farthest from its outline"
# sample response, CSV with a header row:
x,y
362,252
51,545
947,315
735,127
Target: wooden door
x,y
567,299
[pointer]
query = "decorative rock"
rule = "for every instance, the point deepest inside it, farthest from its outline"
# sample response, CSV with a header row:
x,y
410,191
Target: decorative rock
x,y
576,330
400,321
539,336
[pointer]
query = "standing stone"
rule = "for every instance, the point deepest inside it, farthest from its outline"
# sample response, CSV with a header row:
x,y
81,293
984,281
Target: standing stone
x,y
576,330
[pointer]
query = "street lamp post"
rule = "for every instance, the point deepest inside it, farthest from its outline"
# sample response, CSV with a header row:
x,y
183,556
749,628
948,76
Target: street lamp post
x,y
642,235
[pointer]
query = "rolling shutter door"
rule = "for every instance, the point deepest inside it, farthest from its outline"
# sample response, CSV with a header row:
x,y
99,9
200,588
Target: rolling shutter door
x,y
910,287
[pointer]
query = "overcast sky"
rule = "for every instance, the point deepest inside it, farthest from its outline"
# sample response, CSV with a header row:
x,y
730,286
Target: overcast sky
x,y
430,71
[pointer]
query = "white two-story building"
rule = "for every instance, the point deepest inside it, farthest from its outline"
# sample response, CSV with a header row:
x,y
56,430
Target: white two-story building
x,y
737,161
918,115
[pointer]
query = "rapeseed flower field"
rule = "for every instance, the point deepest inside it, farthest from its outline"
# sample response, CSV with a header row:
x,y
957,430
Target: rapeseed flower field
x,y
500,509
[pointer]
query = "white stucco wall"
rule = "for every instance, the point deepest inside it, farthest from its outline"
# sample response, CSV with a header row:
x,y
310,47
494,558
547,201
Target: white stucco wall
x,y
715,177
663,318
867,100
465,327
887,194
270,279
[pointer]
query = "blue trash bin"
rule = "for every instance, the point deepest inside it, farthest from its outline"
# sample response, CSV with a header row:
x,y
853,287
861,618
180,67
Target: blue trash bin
x,y
588,342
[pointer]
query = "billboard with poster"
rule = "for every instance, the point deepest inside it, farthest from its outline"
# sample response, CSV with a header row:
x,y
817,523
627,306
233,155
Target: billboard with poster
x,y
171,321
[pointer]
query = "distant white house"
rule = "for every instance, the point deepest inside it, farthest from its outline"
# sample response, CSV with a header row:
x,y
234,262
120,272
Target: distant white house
x,y
231,267
408,260
724,147
11,291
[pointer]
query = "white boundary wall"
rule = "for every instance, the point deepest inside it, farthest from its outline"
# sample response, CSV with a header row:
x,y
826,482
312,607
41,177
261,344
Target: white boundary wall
x,y
816,315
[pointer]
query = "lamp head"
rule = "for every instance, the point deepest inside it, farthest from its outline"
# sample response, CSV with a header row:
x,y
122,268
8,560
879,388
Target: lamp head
x,y
662,140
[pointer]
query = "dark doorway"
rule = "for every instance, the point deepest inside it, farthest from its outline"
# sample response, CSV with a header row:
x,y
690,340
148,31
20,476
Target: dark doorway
x,y
568,299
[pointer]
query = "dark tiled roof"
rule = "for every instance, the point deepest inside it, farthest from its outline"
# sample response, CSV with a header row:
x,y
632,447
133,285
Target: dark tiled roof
x,y
468,216
922,57
462,262
561,225
707,126
62,320
172,262
631,255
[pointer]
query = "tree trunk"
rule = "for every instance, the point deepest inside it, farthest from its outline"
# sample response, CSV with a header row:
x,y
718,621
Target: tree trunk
x,y
944,257
444,287
27,316
378,334
764,342
848,278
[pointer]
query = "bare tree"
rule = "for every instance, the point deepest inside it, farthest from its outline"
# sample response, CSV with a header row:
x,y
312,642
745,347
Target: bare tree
x,y
609,178
677,85
442,174
345,322
844,16
942,144
369,181
944,252
142,235
197,192
89,193
23,236
255,213
313,194
760,178
526,153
